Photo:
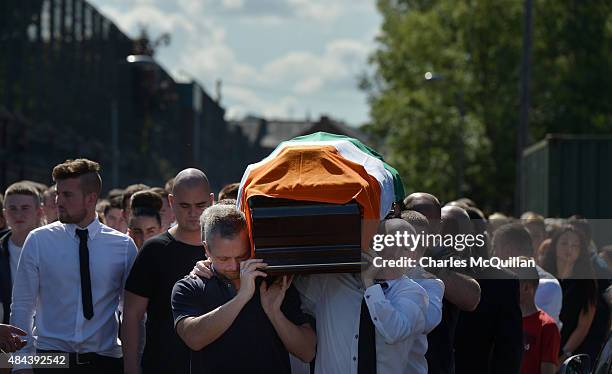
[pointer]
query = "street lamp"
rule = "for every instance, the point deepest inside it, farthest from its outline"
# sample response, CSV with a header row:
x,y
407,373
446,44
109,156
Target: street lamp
x,y
142,61
460,103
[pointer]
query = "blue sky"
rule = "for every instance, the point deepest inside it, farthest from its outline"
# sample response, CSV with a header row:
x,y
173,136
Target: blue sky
x,y
276,58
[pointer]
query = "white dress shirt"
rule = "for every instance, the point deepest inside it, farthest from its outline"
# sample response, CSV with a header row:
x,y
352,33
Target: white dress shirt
x,y
398,314
549,296
48,284
435,290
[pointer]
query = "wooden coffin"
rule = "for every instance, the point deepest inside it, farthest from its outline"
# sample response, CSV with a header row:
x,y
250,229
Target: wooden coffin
x,y
306,237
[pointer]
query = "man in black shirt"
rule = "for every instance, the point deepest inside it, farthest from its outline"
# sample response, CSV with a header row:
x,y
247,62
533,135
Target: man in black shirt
x,y
461,292
230,323
160,263
490,339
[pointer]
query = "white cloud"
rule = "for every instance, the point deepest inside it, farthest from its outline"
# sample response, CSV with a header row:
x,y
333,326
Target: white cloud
x,y
194,7
320,11
308,73
233,4
279,87
308,86
285,107
295,74
149,15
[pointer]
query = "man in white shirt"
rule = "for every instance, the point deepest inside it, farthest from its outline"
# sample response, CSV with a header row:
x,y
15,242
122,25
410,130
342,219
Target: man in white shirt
x,y
435,291
397,308
23,214
71,276
396,304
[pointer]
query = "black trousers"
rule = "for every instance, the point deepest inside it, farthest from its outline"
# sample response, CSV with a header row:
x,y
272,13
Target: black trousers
x,y
90,363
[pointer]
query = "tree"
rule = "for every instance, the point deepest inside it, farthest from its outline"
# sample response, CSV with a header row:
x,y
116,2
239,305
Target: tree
x,y
475,46
144,45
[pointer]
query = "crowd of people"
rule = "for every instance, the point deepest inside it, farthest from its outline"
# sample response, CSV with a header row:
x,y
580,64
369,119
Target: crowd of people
x,y
161,280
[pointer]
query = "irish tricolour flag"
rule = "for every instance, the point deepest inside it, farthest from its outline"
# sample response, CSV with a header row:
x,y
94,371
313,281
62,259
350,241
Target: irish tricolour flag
x,y
327,168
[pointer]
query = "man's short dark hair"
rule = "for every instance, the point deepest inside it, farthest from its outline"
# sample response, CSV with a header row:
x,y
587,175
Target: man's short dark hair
x,y
229,191
227,202
114,193
162,192
130,190
146,203
23,188
40,187
516,237
146,199
102,206
49,192
223,220
86,170
169,185
416,219
114,203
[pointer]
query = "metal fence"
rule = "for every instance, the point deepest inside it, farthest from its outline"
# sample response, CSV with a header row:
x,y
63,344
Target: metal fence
x,y
62,71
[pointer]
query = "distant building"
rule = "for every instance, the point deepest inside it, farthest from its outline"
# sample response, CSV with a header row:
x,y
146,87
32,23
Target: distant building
x,y
266,134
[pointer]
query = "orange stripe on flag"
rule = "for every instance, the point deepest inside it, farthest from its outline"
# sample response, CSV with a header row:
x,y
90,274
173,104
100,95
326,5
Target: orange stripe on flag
x,y
314,173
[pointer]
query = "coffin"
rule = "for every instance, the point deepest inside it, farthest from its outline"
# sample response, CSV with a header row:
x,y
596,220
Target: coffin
x,y
294,236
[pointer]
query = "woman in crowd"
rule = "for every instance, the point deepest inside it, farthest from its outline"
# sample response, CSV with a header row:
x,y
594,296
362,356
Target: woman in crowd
x,y
569,261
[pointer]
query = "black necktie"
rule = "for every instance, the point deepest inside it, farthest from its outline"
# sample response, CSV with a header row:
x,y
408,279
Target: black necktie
x,y
85,276
366,348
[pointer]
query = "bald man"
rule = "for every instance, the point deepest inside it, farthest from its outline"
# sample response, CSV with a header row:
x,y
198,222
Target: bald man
x,y
161,262
461,292
426,204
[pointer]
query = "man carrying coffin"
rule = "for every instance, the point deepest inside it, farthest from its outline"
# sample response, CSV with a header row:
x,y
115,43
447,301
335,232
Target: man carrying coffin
x,y
232,321
368,322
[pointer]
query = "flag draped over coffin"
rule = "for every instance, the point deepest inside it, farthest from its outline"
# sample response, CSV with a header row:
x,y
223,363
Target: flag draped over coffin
x,y
326,168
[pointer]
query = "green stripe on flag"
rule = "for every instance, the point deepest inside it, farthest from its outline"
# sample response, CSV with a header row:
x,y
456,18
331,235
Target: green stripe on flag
x,y
398,185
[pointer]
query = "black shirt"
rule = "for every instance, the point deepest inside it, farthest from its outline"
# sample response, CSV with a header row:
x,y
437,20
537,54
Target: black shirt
x,y
490,339
575,297
440,353
160,263
250,344
6,283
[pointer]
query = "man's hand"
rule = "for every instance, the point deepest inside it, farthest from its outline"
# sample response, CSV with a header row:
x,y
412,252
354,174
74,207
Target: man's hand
x,y
249,270
369,272
272,296
202,269
10,340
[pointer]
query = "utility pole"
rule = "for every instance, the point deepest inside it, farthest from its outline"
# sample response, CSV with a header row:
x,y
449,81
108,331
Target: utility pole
x,y
523,125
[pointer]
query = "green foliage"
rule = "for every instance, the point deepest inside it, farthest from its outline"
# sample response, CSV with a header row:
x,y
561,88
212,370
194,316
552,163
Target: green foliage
x,y
475,47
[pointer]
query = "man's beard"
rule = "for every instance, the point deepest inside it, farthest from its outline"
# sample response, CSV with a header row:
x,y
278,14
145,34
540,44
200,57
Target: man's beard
x,y
75,218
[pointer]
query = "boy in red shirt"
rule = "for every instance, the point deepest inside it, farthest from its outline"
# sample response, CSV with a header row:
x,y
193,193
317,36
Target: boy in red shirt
x,y
541,336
